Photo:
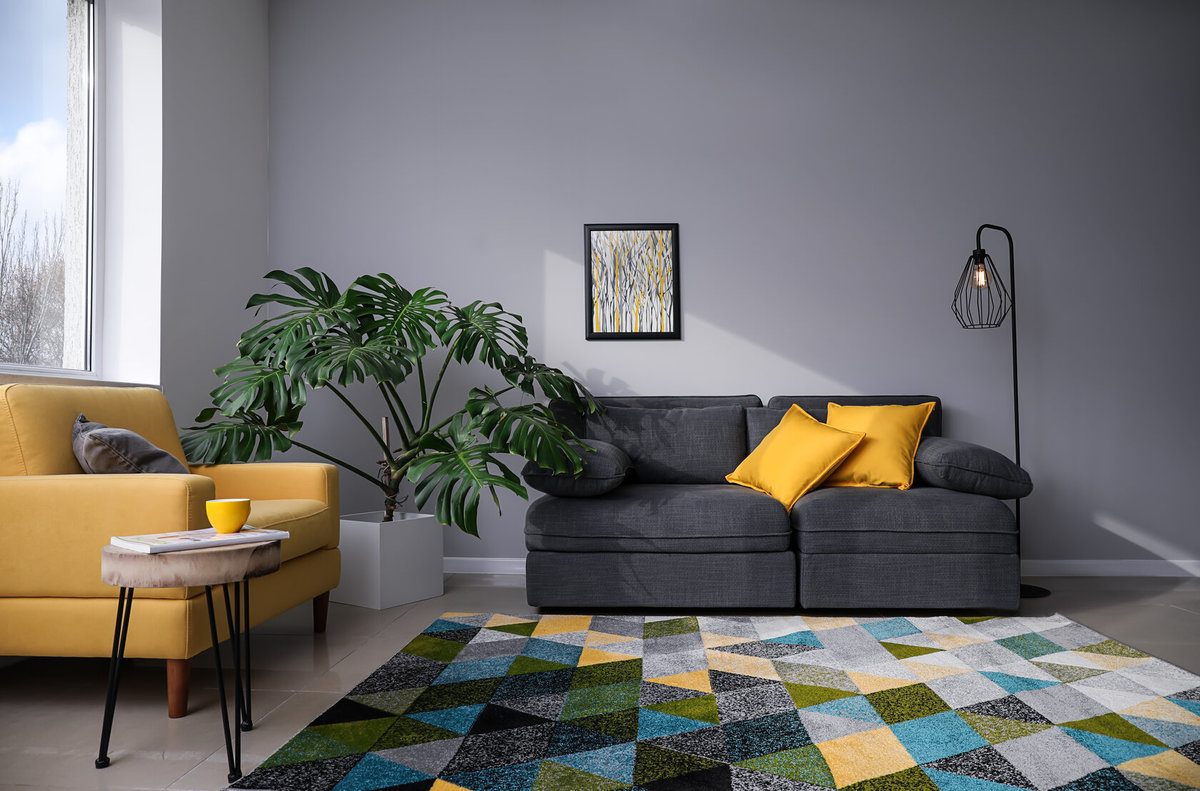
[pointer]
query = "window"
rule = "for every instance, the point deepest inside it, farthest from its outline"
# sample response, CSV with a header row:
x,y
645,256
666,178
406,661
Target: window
x,y
46,184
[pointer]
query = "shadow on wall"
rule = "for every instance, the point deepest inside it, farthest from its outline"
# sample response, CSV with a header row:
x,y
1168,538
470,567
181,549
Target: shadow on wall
x,y
1143,539
701,367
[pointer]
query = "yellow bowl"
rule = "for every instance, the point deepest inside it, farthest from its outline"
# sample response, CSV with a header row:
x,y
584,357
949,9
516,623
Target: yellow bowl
x,y
228,516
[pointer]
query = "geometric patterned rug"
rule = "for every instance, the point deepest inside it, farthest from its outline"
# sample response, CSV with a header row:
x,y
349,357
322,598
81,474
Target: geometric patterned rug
x,y
490,702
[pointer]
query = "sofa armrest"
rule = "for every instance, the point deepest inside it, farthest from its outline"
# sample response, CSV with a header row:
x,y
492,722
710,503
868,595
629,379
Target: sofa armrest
x,y
966,467
53,526
275,481
604,469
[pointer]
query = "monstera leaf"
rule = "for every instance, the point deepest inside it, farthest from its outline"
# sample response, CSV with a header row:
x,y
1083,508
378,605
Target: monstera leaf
x,y
455,469
344,359
240,437
316,305
411,317
251,386
527,430
525,372
483,331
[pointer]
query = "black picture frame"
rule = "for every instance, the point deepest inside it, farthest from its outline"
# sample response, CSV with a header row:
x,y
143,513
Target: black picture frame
x,y
590,333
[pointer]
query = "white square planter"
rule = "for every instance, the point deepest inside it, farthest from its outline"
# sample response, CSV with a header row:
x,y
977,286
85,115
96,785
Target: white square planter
x,y
385,564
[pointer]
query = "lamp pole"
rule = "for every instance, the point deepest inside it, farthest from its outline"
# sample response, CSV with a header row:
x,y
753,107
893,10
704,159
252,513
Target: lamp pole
x,y
1027,591
1012,318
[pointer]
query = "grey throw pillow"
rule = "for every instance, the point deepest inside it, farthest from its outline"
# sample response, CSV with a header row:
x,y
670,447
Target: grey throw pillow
x,y
604,469
680,445
100,449
965,467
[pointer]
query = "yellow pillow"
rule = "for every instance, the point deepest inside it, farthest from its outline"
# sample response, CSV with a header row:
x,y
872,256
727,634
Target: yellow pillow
x,y
795,457
885,457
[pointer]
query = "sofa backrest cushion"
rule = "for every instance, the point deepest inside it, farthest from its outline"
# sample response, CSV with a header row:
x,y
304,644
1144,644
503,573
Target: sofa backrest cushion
x,y
817,406
675,445
567,415
759,423
36,422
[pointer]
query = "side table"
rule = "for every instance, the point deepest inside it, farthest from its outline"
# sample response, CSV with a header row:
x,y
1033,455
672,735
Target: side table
x,y
223,566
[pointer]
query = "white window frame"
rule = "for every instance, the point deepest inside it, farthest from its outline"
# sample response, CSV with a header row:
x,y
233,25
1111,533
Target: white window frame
x,y
94,219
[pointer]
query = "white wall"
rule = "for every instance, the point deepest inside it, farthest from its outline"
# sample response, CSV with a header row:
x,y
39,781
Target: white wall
x,y
828,164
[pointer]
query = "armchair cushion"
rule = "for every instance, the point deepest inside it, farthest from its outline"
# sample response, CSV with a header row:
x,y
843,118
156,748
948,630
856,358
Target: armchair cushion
x,y
103,450
309,522
965,467
604,468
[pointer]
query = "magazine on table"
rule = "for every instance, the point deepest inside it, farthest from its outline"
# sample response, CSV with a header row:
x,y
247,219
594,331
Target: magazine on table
x,y
154,543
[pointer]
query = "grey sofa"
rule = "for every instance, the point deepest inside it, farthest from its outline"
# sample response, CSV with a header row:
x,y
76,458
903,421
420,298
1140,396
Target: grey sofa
x,y
673,534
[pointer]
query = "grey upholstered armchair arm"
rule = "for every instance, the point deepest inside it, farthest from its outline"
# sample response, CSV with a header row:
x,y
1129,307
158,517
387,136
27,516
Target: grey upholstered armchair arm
x,y
604,468
966,467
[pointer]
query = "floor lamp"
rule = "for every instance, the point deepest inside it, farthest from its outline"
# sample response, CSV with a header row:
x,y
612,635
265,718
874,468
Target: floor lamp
x,y
982,301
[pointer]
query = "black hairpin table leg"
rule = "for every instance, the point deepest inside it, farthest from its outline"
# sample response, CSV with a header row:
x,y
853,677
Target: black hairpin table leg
x,y
234,772
120,630
247,720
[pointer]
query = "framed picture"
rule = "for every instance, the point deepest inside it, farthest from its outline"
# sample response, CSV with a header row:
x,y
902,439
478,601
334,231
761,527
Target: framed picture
x,y
631,282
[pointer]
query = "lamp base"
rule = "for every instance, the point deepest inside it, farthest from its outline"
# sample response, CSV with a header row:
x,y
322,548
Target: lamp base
x,y
1034,591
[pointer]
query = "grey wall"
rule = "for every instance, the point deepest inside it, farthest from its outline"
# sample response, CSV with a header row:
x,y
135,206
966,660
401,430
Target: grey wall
x,y
214,204
828,164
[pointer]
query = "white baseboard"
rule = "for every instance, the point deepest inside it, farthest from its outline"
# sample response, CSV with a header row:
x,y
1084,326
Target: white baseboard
x,y
1029,568
1110,568
484,565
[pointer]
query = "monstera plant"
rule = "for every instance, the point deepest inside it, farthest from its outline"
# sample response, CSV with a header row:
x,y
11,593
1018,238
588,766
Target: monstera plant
x,y
380,333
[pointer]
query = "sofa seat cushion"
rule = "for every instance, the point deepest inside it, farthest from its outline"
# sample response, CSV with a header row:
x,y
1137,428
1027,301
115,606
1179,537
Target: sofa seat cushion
x,y
310,523
919,520
655,517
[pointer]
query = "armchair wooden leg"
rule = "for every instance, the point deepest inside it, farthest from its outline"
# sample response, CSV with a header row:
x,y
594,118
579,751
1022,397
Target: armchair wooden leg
x,y
179,676
320,612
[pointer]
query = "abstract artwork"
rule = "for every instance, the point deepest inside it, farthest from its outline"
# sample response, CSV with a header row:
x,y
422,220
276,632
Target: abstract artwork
x,y
494,702
632,281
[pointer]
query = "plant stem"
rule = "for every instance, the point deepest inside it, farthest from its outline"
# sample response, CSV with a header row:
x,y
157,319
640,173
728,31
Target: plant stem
x,y
395,395
340,463
421,380
387,452
437,384
400,423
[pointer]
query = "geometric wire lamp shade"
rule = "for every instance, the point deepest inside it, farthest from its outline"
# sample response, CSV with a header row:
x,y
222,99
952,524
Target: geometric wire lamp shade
x,y
980,300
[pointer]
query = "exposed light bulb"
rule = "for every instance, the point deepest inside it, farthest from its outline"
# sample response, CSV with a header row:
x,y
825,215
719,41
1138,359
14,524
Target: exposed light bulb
x,y
981,276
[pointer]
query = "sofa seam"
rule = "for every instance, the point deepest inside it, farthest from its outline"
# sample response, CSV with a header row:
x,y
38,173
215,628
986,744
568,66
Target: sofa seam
x,y
13,426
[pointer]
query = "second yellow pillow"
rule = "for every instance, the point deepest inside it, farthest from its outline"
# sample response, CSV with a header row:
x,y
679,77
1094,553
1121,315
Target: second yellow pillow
x,y
794,457
885,456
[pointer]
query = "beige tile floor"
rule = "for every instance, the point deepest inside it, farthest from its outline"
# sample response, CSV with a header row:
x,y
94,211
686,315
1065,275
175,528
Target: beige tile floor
x,y
50,709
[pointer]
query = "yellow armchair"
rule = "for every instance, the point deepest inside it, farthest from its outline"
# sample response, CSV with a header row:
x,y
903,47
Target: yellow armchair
x,y
54,519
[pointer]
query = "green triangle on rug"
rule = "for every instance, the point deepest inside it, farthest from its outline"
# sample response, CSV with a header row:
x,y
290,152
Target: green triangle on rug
x,y
522,629
558,777
700,707
805,764
670,627
358,734
309,745
805,695
1000,729
1116,726
901,651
